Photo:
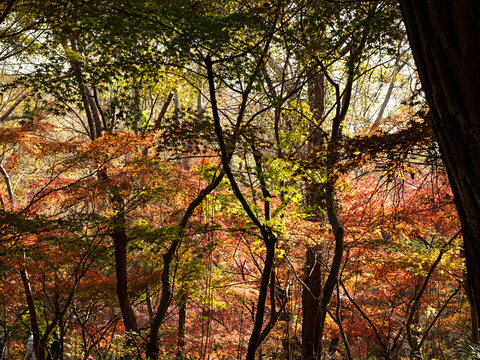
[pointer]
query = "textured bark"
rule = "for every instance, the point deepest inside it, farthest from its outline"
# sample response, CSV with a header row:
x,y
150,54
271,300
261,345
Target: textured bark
x,y
445,43
120,243
310,300
315,204
314,198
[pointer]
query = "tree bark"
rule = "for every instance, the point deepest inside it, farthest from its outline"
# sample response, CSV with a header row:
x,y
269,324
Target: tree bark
x,y
444,39
120,241
332,279
38,347
182,321
310,300
315,205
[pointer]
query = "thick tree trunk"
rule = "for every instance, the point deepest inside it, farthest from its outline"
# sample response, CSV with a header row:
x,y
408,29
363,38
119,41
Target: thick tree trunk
x,y
310,301
314,191
315,204
120,240
444,38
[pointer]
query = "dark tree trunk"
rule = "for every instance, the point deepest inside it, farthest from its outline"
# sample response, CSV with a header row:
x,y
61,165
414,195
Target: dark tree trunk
x,y
8,10
168,257
120,242
152,345
332,279
37,345
262,297
267,234
310,300
315,205
445,43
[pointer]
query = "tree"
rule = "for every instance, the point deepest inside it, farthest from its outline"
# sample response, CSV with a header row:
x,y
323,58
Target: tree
x,y
444,41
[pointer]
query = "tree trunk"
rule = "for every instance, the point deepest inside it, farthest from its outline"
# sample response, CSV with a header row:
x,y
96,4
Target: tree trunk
x,y
182,320
314,191
475,325
120,243
262,297
310,300
315,205
91,110
152,345
37,346
332,279
446,46
156,321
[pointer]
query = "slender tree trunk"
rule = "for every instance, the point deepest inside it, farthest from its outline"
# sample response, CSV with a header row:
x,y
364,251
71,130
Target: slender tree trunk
x,y
37,346
267,234
444,38
332,279
152,345
120,242
163,111
330,202
262,298
396,70
91,110
182,321
167,291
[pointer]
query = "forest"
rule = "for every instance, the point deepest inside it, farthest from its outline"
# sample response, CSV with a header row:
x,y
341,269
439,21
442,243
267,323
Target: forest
x,y
239,179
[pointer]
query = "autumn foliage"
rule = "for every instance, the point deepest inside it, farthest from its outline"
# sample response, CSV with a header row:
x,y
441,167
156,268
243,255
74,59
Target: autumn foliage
x,y
173,193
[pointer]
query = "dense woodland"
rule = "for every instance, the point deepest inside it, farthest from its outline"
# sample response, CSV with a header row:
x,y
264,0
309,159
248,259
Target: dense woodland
x,y
228,179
